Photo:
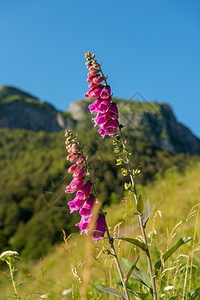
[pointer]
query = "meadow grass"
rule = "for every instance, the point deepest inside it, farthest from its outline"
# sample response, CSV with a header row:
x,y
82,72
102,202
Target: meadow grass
x,y
175,205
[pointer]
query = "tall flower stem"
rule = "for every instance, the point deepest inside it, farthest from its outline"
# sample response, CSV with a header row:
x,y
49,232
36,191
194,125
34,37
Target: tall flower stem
x,y
12,278
140,218
110,239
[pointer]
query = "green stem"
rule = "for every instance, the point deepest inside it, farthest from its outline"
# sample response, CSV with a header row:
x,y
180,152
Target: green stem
x,y
140,218
111,241
108,234
12,279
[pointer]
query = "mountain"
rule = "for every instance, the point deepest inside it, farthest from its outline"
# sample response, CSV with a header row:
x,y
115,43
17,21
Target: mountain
x,y
22,110
33,168
151,120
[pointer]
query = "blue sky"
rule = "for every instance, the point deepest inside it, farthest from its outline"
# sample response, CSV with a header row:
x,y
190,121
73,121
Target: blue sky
x,y
146,46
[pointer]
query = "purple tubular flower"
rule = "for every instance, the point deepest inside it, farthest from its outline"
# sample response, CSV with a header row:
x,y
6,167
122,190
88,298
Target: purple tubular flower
x,y
113,112
95,92
80,161
87,95
104,106
110,127
102,132
105,94
75,185
98,80
99,231
72,157
83,224
75,204
94,106
79,173
86,209
84,192
73,168
101,118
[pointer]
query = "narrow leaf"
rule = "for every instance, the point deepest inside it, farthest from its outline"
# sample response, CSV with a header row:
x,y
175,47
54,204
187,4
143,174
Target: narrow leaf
x,y
139,295
111,291
140,204
139,275
167,254
174,297
146,213
194,294
134,242
131,269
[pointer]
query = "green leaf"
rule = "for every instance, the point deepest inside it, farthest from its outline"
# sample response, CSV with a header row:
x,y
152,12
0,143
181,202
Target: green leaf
x,y
140,204
167,254
134,242
131,269
139,295
174,297
139,275
111,291
146,213
193,294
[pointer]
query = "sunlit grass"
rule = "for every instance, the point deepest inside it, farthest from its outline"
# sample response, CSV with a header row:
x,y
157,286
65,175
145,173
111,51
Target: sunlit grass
x,y
175,205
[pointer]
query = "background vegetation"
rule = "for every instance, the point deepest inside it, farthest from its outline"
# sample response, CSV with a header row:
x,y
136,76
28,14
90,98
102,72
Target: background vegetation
x,y
175,203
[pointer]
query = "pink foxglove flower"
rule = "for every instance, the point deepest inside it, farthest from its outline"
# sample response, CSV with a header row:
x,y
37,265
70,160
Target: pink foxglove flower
x,y
75,185
83,224
75,204
94,106
101,118
79,173
84,192
93,72
113,111
110,127
80,161
95,92
72,157
99,232
86,209
73,168
105,94
98,80
104,106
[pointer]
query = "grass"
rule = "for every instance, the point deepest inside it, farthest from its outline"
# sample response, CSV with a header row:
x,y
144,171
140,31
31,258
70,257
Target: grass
x,y
175,205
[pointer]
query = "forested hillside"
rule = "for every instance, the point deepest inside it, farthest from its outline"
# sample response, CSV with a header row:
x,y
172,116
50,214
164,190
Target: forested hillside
x,y
33,170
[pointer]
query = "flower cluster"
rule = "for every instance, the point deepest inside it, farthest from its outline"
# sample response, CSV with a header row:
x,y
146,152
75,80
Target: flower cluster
x,y
107,111
82,185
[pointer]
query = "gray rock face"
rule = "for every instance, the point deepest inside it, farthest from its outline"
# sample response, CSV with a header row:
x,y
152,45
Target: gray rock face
x,y
21,110
18,114
151,120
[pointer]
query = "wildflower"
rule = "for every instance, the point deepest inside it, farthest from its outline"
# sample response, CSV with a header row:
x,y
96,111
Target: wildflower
x,y
84,199
107,111
75,185
76,204
79,173
83,224
86,209
80,161
99,232
73,168
7,255
72,157
84,192
105,94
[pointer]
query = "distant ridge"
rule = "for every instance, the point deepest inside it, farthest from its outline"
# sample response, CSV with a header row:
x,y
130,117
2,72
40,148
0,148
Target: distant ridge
x,y
149,120
6,91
